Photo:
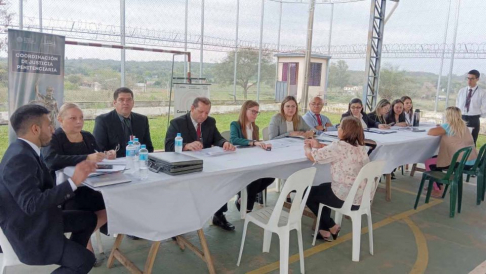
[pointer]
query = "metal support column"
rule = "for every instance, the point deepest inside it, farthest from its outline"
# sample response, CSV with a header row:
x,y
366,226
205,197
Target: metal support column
x,y
202,41
21,14
260,51
186,16
373,53
458,10
444,46
308,55
329,50
40,15
122,40
236,47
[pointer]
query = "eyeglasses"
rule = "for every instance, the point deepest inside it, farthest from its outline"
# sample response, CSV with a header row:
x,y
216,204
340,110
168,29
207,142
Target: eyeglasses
x,y
355,108
254,112
318,104
471,78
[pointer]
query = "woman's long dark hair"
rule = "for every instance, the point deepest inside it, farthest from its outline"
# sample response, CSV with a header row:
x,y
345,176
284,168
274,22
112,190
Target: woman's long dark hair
x,y
353,133
392,109
355,101
410,115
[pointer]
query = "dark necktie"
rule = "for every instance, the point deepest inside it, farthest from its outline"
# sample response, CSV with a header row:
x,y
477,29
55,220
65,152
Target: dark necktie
x,y
127,128
468,99
319,121
199,131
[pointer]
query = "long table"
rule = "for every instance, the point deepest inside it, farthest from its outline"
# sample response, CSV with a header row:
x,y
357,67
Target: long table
x,y
165,206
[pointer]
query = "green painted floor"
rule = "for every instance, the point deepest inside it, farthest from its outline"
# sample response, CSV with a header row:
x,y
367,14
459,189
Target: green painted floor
x,y
405,241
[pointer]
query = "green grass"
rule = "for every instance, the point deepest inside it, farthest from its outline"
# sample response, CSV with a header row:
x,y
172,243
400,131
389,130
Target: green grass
x,y
158,128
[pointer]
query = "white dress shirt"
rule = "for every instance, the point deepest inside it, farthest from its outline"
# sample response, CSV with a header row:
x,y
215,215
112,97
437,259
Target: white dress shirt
x,y
249,132
37,150
478,101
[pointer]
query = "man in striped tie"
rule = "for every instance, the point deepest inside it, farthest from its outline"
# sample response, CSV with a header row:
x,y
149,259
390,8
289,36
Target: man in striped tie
x,y
471,100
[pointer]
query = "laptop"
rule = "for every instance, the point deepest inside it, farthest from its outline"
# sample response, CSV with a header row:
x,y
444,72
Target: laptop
x,y
107,180
174,163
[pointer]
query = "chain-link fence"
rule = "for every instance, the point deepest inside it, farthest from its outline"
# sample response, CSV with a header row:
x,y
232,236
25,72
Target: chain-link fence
x,y
412,52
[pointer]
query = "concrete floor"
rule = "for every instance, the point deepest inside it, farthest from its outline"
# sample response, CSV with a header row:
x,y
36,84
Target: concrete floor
x,y
425,240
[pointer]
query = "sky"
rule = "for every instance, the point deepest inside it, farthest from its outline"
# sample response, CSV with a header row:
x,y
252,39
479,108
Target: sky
x,y
414,21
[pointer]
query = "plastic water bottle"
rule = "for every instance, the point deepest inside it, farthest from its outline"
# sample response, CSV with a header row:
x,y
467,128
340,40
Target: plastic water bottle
x,y
178,143
143,162
130,155
136,144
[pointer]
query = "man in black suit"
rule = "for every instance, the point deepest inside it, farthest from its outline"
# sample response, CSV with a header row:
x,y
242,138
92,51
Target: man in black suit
x,y
115,127
199,131
30,213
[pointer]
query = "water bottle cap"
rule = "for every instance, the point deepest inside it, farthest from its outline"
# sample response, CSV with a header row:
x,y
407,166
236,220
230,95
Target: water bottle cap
x,y
130,142
135,139
143,146
178,135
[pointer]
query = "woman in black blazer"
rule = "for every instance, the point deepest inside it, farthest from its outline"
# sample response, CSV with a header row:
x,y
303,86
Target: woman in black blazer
x,y
355,108
396,114
69,146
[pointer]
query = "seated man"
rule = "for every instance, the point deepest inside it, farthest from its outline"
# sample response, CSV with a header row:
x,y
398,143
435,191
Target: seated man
x,y
314,119
30,213
199,131
115,127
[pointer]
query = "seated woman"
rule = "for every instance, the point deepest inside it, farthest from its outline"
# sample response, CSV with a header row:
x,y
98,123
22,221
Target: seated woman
x,y
455,135
381,110
288,122
355,109
244,132
396,115
69,146
347,156
407,109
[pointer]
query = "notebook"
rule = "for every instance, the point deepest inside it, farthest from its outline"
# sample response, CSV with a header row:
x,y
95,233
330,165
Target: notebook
x,y
107,180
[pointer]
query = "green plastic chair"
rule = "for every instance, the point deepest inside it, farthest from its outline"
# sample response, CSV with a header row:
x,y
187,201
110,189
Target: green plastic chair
x,y
453,177
479,170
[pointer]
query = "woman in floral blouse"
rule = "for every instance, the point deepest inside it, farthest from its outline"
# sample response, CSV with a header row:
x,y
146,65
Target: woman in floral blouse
x,y
346,156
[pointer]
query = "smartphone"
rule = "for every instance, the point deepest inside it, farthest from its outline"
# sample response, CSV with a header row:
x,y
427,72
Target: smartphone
x,y
104,166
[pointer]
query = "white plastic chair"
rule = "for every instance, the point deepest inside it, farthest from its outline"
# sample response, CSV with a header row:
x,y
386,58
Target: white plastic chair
x,y
274,220
11,259
226,135
371,172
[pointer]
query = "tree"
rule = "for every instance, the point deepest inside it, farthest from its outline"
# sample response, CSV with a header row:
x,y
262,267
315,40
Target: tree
x,y
247,73
338,74
394,83
5,20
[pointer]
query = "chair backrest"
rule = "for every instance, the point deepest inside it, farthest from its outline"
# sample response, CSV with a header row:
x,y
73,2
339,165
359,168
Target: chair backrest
x,y
226,135
452,167
460,167
480,160
370,173
9,256
298,182
265,134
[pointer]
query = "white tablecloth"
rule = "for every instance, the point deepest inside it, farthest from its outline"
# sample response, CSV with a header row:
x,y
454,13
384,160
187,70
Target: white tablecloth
x,y
164,206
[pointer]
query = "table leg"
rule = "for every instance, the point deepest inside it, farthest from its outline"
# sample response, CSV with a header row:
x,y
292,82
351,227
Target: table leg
x,y
207,254
414,167
388,187
243,203
149,264
116,245
180,243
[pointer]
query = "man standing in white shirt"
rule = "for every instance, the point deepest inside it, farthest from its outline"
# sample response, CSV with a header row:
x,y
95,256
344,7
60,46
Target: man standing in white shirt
x,y
472,102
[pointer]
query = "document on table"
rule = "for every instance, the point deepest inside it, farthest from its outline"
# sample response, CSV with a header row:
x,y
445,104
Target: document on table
x,y
107,179
285,142
214,151
117,161
116,168
380,131
331,133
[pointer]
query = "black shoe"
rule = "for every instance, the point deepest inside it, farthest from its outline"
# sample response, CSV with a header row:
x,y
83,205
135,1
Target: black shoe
x,y
133,237
319,237
223,223
237,204
334,236
393,176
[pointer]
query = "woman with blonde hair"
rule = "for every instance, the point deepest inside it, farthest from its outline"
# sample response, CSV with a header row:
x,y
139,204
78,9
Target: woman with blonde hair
x,y
70,145
381,110
245,132
454,135
288,122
